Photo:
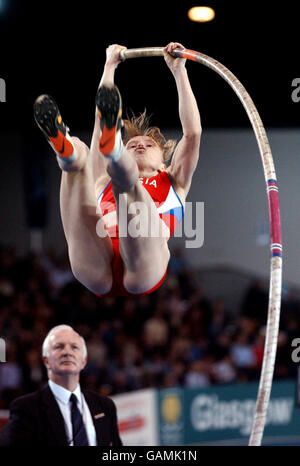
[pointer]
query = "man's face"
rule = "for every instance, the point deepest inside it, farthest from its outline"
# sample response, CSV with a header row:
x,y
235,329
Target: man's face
x,y
65,354
146,152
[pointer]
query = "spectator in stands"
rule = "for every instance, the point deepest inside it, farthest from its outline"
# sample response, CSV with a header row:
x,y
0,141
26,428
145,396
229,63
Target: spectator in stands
x,y
198,374
223,371
243,356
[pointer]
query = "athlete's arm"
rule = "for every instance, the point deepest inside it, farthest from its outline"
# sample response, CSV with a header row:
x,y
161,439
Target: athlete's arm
x,y
185,158
112,61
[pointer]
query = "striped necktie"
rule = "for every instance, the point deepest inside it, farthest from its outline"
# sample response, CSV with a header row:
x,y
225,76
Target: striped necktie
x,y
79,433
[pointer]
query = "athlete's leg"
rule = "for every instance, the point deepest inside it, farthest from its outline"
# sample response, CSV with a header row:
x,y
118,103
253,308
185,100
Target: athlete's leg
x,y
144,248
122,169
49,120
90,255
146,256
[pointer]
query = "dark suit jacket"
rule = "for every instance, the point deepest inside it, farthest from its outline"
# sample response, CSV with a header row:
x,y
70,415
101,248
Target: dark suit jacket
x,y
36,419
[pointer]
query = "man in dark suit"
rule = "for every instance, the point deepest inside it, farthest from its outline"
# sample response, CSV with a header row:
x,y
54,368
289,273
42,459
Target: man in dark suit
x,y
61,414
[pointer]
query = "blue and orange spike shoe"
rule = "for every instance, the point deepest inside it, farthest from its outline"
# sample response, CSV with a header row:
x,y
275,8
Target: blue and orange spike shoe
x,y
49,120
109,107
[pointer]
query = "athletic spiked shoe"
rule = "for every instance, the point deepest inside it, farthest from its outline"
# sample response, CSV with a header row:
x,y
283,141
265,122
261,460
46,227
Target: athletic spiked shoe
x,y
49,120
109,106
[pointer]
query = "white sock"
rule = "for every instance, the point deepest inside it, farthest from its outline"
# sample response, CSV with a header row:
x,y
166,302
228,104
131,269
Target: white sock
x,y
117,152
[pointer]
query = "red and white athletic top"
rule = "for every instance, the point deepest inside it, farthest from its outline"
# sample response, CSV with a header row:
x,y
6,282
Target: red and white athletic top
x,y
167,202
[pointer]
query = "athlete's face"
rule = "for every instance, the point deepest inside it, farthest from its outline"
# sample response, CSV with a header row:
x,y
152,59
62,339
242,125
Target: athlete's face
x,y
146,152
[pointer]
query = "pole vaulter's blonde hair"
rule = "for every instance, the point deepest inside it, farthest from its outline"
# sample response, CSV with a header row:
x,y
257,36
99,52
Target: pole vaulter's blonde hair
x,y
140,126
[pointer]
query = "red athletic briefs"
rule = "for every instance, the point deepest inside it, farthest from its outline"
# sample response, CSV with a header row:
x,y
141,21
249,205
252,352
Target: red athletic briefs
x,y
170,210
118,288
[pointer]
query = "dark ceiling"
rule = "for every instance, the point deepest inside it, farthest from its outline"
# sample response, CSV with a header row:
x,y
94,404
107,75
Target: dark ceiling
x,y
59,48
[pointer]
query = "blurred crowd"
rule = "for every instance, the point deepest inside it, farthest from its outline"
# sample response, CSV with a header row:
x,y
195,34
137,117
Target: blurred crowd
x,y
176,336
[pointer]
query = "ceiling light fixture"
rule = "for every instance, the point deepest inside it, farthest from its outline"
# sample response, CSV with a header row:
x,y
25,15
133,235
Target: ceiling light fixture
x,y
201,14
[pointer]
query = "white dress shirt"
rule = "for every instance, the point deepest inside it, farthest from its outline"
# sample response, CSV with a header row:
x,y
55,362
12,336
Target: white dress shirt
x,y
62,396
